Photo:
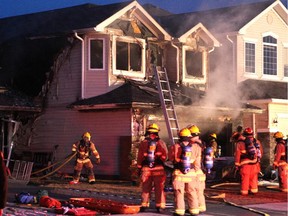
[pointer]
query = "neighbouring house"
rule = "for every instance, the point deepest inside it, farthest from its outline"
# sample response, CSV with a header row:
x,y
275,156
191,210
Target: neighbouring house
x,y
90,68
253,57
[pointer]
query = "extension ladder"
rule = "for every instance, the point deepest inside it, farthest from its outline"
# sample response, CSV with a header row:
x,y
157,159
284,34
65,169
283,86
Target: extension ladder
x,y
167,103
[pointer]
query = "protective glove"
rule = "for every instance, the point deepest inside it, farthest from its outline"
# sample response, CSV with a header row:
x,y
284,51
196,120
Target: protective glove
x,y
97,160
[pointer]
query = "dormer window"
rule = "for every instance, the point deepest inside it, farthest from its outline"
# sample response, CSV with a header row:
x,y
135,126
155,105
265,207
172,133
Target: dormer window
x,y
269,55
129,56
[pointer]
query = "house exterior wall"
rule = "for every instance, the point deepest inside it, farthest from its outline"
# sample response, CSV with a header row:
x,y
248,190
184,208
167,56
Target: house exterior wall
x,y
96,81
171,63
268,23
59,126
66,85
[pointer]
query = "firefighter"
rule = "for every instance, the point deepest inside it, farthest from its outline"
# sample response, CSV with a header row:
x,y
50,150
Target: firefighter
x,y
84,148
186,158
200,175
248,153
150,161
212,142
280,160
3,184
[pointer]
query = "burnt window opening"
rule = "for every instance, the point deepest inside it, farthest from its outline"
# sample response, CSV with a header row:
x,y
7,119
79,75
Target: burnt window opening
x,y
194,63
96,54
128,56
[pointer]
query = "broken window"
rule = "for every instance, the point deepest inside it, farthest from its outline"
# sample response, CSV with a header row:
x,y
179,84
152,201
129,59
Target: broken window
x,y
129,56
250,57
194,63
270,55
96,54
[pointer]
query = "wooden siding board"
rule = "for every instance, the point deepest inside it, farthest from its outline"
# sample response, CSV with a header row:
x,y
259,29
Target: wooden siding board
x,y
64,127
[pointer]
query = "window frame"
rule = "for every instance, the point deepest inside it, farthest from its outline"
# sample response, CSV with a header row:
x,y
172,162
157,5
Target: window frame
x,y
115,71
263,51
103,54
245,56
190,78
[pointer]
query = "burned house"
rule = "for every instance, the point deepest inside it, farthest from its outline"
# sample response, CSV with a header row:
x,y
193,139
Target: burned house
x,y
90,67
250,66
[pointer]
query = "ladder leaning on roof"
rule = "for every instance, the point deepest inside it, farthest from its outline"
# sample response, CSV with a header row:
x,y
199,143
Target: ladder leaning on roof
x,y
167,103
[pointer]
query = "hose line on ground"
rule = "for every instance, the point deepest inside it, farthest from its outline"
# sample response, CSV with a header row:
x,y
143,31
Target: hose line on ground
x,y
59,167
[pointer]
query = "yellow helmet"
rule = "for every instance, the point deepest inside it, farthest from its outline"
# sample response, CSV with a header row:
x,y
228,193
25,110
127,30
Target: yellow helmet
x,y
194,130
213,135
278,135
185,132
153,128
87,134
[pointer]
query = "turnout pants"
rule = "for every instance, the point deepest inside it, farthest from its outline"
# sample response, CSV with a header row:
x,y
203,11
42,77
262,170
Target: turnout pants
x,y
185,184
153,177
249,178
80,163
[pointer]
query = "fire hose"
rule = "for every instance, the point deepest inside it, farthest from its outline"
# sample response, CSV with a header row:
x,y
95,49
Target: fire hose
x,y
63,163
222,198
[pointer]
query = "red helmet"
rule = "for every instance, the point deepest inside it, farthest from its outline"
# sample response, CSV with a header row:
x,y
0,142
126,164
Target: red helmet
x,y
248,132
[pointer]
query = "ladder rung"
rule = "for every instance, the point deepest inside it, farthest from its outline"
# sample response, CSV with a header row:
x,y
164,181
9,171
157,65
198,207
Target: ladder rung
x,y
167,99
163,81
172,119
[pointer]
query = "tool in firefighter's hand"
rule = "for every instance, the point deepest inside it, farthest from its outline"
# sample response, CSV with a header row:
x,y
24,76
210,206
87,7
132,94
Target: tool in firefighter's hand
x,y
97,160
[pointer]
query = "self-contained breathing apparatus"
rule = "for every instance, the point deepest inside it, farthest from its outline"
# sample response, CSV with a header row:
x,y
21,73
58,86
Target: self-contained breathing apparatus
x,y
151,153
208,159
252,149
185,159
84,147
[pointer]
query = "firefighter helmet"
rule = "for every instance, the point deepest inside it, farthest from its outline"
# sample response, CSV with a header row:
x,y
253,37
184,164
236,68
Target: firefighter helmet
x,y
278,135
248,132
86,134
194,130
185,132
213,135
153,128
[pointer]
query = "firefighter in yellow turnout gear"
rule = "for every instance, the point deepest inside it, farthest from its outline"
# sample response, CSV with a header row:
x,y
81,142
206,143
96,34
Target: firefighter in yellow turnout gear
x,y
200,175
84,148
186,158
150,160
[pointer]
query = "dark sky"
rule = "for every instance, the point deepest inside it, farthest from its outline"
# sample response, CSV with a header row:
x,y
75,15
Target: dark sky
x,y
19,7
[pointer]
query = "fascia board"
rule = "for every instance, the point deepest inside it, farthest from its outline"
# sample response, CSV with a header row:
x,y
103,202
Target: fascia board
x,y
201,26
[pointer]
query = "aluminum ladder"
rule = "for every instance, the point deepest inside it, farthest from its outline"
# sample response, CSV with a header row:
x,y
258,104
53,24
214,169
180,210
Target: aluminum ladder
x,y
167,103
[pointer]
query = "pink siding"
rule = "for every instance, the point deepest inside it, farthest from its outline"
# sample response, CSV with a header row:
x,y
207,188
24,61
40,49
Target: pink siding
x,y
96,81
66,85
59,126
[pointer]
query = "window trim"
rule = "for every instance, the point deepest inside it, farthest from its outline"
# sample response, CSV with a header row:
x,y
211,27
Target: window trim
x,y
139,74
89,54
277,54
250,42
192,79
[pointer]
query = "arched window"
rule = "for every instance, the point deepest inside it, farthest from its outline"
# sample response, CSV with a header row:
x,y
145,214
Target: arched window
x,y
269,55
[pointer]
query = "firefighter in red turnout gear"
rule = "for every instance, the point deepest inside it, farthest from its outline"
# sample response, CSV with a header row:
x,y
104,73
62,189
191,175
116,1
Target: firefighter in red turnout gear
x,y
280,161
84,148
186,158
3,184
247,158
150,160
